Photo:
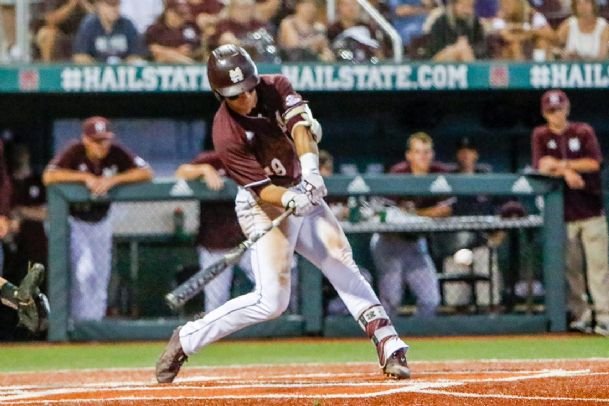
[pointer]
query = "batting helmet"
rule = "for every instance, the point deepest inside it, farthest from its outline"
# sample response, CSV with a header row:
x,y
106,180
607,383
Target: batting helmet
x,y
231,71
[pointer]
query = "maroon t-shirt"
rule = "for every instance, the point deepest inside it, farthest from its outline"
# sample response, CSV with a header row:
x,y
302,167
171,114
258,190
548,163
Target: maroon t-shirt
x,y
74,157
577,141
257,150
5,185
218,225
421,202
207,7
238,29
161,34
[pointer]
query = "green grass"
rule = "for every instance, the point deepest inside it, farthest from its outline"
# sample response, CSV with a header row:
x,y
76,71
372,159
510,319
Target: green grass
x,y
36,356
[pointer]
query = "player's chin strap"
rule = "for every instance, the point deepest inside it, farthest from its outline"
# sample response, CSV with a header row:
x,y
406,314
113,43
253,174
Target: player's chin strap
x,y
375,322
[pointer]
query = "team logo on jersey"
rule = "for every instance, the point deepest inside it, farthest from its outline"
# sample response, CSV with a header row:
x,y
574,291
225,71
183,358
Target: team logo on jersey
x,y
109,172
292,99
552,144
83,167
236,75
574,144
249,135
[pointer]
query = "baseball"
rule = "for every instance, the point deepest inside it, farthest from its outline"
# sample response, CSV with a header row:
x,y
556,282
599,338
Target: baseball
x,y
464,257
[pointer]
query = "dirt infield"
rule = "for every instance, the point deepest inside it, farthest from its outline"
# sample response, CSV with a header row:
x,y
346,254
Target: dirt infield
x,y
434,383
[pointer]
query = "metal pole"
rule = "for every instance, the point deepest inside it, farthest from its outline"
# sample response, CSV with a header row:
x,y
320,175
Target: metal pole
x,y
22,34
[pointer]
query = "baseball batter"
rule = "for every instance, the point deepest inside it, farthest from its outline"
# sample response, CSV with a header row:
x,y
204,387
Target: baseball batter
x,y
267,139
100,164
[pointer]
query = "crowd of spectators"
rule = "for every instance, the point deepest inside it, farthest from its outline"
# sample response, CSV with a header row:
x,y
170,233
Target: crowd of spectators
x,y
184,31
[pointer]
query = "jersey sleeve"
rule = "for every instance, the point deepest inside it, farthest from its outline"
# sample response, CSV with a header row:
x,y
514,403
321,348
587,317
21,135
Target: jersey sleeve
x,y
591,147
66,159
292,103
126,160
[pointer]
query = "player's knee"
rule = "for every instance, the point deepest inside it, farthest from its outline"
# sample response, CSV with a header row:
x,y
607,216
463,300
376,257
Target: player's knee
x,y
274,305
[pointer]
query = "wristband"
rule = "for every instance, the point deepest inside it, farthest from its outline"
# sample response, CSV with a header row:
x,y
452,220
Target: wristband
x,y
309,163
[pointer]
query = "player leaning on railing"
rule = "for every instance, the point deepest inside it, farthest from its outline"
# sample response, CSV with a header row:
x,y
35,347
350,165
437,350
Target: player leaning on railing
x,y
267,139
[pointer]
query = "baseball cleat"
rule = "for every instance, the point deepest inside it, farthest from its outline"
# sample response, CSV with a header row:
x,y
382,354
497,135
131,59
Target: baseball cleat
x,y
397,366
171,360
602,330
581,326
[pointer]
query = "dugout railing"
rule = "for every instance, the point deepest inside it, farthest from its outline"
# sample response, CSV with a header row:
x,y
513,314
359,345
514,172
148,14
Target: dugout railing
x,y
310,319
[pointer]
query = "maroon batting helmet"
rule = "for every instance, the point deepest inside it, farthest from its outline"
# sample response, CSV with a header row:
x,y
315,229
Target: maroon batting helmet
x,y
231,71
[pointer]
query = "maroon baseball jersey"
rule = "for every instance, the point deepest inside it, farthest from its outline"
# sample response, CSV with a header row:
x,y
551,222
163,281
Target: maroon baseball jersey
x,y
218,225
421,202
577,141
5,185
74,157
159,33
257,150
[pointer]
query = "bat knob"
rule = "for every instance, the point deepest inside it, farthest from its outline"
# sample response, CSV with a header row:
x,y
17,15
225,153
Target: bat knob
x,y
172,301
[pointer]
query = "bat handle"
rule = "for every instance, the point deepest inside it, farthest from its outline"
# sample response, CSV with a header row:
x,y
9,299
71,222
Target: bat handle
x,y
172,301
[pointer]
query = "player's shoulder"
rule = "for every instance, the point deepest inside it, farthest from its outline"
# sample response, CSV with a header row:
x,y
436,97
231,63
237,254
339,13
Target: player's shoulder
x,y
275,79
541,131
439,167
73,147
581,128
400,167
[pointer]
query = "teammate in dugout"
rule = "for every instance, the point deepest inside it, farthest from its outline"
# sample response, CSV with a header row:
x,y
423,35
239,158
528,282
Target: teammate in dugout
x,y
219,230
267,139
101,164
570,150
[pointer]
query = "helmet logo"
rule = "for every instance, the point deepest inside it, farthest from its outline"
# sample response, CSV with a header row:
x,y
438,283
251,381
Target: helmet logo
x,y
100,126
236,75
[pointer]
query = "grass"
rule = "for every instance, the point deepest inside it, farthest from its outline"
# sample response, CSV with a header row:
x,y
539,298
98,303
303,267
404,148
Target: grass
x,y
37,356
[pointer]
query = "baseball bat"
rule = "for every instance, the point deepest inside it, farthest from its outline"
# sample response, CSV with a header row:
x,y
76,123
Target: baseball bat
x,y
195,284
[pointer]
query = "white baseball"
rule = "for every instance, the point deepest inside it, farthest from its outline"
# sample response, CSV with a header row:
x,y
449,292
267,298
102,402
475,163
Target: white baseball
x,y
464,257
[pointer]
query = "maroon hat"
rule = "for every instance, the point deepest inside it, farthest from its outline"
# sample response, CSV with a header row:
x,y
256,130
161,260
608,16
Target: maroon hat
x,y
554,99
97,128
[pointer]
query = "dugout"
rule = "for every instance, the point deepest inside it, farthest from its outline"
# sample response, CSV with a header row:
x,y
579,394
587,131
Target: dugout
x,y
367,113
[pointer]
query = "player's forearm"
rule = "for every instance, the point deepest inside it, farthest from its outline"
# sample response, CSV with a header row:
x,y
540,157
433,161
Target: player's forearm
x,y
52,176
83,58
304,141
34,213
272,194
582,165
190,171
435,211
133,176
61,14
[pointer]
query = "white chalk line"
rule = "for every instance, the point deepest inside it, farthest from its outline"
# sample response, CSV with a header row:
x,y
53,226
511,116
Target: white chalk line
x,y
315,364
414,386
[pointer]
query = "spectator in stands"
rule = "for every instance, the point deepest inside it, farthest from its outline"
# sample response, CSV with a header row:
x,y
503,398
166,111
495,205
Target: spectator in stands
x,y
302,37
219,230
100,164
61,20
351,37
105,36
10,50
521,32
404,258
457,35
206,14
570,150
584,35
142,13
408,17
173,38
241,28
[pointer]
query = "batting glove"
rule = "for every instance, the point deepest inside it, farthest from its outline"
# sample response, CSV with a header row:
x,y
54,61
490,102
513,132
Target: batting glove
x,y
300,202
312,182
